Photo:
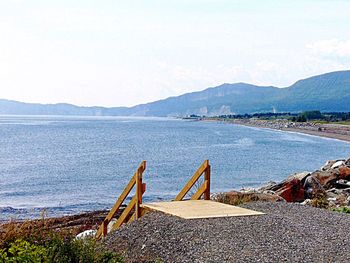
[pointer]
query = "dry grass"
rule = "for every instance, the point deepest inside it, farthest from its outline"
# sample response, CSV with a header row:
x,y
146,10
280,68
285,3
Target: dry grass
x,y
42,229
320,201
238,198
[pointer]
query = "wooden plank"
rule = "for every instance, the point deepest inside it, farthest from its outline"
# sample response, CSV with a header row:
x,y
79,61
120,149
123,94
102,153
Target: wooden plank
x,y
200,191
125,214
192,209
138,194
192,181
105,227
207,180
132,217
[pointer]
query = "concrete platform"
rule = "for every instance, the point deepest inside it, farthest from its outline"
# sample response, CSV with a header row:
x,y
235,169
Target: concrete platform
x,y
191,209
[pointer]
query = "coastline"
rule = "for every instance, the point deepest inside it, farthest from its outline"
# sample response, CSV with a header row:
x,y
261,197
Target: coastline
x,y
332,131
341,137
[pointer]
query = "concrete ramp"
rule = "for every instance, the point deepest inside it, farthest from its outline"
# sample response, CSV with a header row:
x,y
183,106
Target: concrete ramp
x,y
192,209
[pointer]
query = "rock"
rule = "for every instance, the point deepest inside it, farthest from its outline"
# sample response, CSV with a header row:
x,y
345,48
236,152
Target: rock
x,y
327,165
248,190
331,195
347,162
275,187
342,183
306,202
110,225
337,164
86,233
331,203
292,191
313,187
326,177
267,187
300,176
344,171
270,192
332,190
341,199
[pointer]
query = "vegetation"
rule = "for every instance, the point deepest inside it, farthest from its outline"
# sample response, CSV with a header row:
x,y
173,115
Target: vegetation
x,y
36,241
320,201
344,209
315,116
236,198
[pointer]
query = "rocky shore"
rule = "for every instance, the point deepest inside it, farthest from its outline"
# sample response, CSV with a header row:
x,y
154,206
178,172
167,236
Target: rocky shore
x,y
336,131
327,187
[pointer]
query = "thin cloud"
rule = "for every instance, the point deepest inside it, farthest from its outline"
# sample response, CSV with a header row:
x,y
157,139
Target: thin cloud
x,y
331,47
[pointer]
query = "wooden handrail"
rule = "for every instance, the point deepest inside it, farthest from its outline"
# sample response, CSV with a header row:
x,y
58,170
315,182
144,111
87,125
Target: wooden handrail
x,y
203,189
135,202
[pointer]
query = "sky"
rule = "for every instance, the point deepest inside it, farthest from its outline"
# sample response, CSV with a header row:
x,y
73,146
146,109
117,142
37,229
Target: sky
x,y
123,53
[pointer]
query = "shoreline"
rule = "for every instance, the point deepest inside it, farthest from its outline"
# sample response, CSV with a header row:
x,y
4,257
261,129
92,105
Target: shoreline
x,y
320,130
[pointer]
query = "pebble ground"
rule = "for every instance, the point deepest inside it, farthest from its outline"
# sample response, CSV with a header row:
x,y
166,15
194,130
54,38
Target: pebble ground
x,y
286,233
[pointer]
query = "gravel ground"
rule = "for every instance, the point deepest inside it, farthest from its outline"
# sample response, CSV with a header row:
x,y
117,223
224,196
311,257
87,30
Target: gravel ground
x,y
287,233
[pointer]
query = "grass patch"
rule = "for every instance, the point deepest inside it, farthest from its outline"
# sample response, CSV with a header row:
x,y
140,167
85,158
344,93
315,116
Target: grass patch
x,y
344,209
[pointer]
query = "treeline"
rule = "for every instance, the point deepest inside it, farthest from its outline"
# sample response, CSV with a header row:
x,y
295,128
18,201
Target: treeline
x,y
296,117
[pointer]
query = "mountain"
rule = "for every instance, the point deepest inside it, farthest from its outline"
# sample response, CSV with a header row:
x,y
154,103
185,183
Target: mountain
x,y
21,108
326,92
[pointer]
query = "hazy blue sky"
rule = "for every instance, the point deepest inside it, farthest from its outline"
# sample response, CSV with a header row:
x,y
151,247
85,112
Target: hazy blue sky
x,y
128,52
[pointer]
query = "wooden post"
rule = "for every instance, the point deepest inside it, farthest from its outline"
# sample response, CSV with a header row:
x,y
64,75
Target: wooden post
x,y
138,194
105,227
139,189
207,182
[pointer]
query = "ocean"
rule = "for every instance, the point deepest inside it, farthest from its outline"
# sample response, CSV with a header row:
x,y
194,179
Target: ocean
x,y
66,165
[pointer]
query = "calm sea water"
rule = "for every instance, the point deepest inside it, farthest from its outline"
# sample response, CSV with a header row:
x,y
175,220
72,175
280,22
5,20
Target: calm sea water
x,y
73,164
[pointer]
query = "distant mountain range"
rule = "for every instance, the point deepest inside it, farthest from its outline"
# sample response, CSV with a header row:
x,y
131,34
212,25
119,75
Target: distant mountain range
x,y
327,92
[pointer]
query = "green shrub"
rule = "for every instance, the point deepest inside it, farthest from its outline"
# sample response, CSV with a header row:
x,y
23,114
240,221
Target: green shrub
x,y
23,251
58,250
344,209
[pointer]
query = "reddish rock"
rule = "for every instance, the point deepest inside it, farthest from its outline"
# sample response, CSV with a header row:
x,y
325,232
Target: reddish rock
x,y
292,191
325,177
275,187
344,172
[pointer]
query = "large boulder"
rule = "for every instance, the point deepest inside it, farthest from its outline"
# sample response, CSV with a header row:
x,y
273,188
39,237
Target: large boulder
x,y
276,186
326,178
327,165
292,191
338,164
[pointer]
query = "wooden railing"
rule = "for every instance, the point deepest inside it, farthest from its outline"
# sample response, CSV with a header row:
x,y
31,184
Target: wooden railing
x,y
133,206
203,190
